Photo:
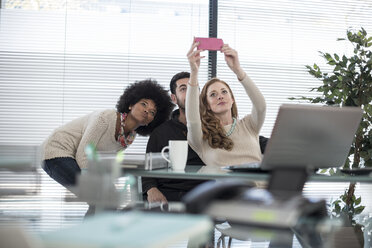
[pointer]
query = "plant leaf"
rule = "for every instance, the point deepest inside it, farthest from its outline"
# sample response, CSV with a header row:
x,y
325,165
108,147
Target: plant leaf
x,y
358,210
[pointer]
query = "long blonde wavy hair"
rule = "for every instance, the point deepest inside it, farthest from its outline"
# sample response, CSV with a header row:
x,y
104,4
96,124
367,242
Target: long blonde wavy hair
x,y
212,129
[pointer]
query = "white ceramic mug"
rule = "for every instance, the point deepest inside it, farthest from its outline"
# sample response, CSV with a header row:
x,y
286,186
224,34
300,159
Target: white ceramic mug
x,y
177,154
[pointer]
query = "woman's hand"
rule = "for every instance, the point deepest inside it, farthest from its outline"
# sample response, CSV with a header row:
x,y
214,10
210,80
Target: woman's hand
x,y
194,57
232,60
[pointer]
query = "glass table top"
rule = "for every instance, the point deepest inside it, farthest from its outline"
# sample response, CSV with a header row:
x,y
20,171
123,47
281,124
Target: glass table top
x,y
207,173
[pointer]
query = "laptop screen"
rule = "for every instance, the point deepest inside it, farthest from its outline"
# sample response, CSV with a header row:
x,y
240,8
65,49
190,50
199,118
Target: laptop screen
x,y
311,136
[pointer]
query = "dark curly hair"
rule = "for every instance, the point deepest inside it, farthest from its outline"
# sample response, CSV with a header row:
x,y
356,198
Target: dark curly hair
x,y
212,129
147,89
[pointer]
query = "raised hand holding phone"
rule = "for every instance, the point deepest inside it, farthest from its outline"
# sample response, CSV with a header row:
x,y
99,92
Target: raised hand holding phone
x,y
194,57
211,44
232,60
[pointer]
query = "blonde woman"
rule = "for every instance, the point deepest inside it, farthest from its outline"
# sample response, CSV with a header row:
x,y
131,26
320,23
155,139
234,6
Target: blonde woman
x,y
215,132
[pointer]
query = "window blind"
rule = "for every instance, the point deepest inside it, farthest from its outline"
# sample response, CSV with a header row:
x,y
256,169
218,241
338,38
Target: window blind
x,y
61,61
276,39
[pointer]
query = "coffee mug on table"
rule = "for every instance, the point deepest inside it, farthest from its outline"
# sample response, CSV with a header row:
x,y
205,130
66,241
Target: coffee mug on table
x,y
177,154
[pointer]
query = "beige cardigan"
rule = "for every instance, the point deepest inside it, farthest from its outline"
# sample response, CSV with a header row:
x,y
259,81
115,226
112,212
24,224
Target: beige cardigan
x,y
70,140
245,136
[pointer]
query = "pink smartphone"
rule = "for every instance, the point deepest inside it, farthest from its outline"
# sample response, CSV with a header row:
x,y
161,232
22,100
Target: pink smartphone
x,y
211,44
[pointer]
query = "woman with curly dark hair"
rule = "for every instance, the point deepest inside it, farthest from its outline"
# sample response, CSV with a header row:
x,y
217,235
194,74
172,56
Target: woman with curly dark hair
x,y
214,131
141,108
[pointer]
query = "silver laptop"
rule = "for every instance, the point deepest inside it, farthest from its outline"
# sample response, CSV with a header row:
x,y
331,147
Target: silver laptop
x,y
309,136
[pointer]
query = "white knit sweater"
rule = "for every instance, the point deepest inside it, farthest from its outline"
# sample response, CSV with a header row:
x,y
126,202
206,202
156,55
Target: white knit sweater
x,y
70,140
245,136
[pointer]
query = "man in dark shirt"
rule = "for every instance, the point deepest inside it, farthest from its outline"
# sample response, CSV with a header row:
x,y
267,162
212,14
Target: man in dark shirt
x,y
161,189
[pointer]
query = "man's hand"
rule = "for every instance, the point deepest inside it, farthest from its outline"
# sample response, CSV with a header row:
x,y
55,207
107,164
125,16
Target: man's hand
x,y
154,195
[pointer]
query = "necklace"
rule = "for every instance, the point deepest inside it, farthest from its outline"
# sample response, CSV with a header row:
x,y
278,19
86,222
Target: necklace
x,y
125,141
232,128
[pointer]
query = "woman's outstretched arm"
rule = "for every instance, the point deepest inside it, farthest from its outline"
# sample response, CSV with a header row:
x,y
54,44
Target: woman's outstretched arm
x,y
194,134
258,101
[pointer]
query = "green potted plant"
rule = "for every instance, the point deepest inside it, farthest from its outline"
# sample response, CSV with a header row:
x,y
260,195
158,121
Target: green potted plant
x,y
349,83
